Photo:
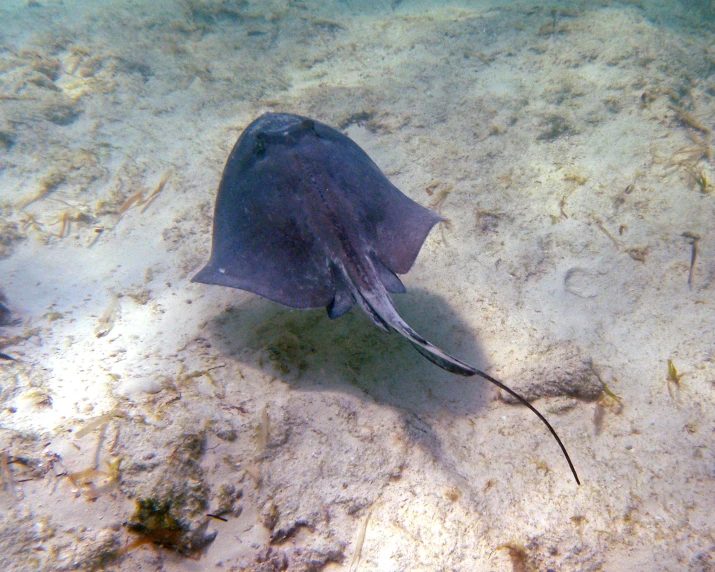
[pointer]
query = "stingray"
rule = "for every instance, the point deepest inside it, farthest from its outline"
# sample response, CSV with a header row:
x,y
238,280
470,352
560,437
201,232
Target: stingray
x,y
305,218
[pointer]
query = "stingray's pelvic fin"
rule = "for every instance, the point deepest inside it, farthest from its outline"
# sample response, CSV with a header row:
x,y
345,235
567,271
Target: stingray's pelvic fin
x,y
388,278
344,299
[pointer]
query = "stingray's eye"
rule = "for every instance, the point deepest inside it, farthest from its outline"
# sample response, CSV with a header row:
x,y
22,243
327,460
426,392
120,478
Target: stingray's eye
x,y
259,146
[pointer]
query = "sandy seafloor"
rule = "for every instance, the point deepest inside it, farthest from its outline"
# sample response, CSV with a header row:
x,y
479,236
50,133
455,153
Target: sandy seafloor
x,y
569,147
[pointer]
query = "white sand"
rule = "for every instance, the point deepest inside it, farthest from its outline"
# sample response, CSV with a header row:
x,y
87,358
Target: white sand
x,y
568,176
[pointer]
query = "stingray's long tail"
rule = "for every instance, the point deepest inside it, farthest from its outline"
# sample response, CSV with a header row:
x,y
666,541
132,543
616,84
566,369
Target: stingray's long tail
x,y
380,305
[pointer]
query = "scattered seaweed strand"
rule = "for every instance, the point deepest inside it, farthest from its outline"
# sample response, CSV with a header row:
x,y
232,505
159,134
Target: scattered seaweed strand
x,y
98,421
673,378
48,184
603,228
6,473
359,544
693,240
160,187
689,119
134,200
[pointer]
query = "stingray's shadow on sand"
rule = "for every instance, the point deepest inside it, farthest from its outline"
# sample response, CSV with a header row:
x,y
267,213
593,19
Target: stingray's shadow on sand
x,y
310,352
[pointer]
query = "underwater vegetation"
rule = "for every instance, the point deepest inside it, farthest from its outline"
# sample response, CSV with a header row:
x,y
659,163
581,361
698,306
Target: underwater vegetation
x,y
155,522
